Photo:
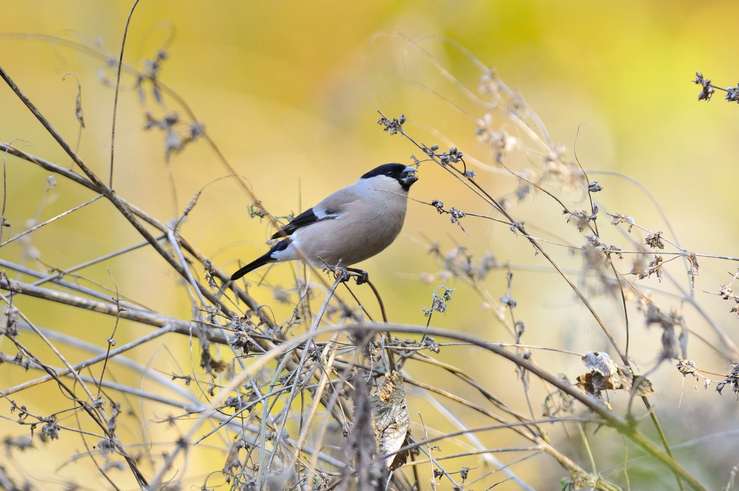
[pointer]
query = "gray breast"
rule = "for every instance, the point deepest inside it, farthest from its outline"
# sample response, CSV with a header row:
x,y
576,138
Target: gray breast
x,y
365,229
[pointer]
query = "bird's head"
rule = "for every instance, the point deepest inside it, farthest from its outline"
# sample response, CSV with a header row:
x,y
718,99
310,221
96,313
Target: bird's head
x,y
404,174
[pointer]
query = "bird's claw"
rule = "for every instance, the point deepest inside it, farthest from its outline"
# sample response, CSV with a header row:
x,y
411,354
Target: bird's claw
x,y
361,277
343,274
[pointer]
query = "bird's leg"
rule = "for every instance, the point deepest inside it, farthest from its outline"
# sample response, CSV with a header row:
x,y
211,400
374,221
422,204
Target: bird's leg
x,y
341,273
360,275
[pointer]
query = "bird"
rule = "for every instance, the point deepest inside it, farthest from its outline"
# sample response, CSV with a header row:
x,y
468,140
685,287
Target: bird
x,y
352,224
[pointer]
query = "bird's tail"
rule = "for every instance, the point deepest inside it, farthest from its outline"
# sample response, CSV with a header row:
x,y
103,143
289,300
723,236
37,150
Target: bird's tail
x,y
257,263
261,261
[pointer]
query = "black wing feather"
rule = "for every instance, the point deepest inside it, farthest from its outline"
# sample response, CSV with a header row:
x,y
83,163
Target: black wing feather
x,y
305,218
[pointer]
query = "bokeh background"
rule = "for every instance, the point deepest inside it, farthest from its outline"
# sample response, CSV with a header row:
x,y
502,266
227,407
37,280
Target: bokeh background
x,y
290,90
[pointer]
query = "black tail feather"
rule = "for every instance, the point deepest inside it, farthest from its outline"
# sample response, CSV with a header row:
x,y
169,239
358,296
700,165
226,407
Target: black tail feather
x,y
259,262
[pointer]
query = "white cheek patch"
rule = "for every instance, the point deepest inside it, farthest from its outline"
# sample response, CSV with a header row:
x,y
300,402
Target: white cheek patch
x,y
319,212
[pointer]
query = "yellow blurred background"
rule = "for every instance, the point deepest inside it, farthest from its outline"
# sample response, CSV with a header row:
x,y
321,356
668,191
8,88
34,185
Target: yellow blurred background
x,y
290,92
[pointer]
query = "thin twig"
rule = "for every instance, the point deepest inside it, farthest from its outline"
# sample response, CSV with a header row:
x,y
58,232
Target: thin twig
x,y
117,90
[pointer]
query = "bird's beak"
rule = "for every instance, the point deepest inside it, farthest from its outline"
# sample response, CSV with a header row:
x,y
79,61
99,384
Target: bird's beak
x,y
408,177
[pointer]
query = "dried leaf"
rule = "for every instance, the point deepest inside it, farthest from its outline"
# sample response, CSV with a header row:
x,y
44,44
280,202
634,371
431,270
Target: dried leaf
x,y
78,112
686,367
606,375
209,363
599,362
654,240
694,268
643,387
618,219
731,380
672,345
390,419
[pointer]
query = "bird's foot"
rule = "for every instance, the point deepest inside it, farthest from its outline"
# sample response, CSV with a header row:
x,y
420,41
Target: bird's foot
x,y
361,276
344,274
341,274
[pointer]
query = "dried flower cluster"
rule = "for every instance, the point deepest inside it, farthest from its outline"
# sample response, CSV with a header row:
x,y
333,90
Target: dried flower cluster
x,y
708,89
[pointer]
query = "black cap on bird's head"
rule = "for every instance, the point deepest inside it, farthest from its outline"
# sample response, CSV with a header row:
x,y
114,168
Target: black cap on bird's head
x,y
404,174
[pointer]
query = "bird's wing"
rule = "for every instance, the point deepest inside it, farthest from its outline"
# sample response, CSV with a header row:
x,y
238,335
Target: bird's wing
x,y
306,218
331,207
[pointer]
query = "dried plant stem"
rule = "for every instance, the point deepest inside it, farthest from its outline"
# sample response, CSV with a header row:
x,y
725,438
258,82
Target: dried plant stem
x,y
79,366
117,91
105,190
489,458
618,423
67,285
88,408
193,407
73,176
140,316
53,219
